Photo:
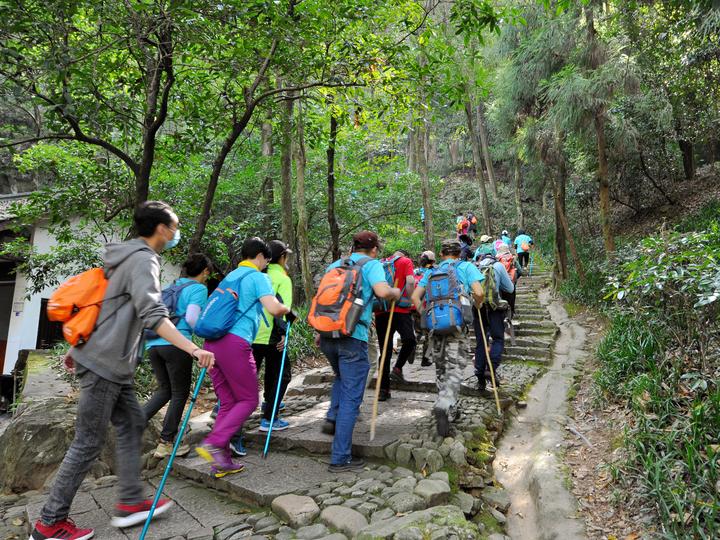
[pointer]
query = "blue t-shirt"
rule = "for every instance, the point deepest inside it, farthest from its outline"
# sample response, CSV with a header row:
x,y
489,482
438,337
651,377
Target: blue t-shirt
x,y
372,273
507,240
253,287
467,274
519,240
196,294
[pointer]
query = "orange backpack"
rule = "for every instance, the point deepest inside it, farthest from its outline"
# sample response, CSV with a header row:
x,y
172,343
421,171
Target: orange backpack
x,y
509,264
337,306
77,303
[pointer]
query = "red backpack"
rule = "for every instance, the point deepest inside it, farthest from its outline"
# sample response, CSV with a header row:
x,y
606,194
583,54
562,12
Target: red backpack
x,y
337,306
508,261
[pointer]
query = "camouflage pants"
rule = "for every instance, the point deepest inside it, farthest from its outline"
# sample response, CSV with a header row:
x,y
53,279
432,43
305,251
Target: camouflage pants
x,y
450,354
373,354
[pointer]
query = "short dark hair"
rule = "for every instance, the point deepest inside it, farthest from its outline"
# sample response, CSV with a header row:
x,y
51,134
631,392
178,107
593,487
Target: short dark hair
x,y
149,215
405,252
252,247
196,264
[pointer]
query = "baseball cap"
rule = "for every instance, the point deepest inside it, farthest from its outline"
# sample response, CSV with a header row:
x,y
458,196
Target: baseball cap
x,y
429,255
485,238
451,245
366,240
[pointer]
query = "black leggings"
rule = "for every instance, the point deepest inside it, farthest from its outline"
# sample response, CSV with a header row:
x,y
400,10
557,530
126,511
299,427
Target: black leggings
x,y
524,259
173,371
402,323
273,359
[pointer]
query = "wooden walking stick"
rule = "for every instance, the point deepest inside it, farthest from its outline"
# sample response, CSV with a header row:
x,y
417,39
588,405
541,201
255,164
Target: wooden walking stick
x,y
381,364
489,362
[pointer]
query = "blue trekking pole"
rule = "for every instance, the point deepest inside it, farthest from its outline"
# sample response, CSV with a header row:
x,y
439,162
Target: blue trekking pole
x,y
277,392
178,439
531,264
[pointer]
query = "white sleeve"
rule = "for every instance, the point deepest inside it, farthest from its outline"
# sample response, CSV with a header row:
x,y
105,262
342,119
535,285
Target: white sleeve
x,y
192,315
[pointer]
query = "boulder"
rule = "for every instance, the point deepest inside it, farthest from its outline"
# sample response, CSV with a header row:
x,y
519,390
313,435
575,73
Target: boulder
x,y
295,510
434,492
345,520
442,516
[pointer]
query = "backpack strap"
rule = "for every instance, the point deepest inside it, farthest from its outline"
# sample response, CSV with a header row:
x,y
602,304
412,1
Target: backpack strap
x,y
257,300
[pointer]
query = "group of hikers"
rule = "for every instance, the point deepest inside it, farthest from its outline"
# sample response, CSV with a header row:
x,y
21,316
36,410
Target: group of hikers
x,y
361,300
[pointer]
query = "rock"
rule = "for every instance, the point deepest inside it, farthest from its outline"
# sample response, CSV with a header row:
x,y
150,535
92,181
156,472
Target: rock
x,y
295,510
411,533
439,516
333,501
405,502
353,503
464,501
443,476
457,454
312,532
252,519
367,509
497,498
267,524
336,536
385,513
404,454
499,516
402,472
407,484
391,450
344,519
434,492
202,534
497,536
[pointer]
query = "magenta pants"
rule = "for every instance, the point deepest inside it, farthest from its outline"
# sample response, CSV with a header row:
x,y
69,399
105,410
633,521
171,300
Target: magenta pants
x,y
235,380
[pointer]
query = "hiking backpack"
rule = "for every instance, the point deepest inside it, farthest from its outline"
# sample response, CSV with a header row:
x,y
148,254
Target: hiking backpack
x,y
170,297
489,284
220,313
337,305
448,309
404,302
508,261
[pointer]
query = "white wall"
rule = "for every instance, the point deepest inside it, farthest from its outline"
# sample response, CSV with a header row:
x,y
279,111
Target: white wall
x,y
25,314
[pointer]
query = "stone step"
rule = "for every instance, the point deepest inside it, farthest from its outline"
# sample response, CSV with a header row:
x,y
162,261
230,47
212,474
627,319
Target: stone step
x,y
530,352
519,358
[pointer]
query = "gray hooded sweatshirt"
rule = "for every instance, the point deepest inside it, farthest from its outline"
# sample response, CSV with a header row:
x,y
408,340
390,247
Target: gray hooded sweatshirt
x,y
133,303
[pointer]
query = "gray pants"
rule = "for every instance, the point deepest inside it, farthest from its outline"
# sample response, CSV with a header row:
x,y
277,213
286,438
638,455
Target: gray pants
x,y
101,402
450,354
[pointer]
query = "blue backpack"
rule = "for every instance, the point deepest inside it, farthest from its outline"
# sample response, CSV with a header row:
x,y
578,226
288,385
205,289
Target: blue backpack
x,y
448,309
170,297
220,313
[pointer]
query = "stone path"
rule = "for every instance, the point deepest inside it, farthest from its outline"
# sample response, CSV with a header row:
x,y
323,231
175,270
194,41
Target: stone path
x,y
416,484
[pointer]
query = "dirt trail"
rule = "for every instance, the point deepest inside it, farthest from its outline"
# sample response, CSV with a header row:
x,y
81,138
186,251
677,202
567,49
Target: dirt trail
x,y
526,462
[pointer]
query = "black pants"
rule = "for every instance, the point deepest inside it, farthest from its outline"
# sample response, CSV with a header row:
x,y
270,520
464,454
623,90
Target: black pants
x,y
524,259
272,358
402,323
173,371
494,324
510,298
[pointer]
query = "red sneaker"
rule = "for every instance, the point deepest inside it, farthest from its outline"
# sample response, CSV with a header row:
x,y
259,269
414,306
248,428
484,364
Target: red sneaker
x,y
62,530
127,515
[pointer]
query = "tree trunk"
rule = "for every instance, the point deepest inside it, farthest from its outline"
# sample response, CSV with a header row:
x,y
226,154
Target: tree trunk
x,y
421,160
332,218
688,157
288,226
302,227
518,199
604,185
412,150
477,163
482,131
268,189
561,260
454,151
573,248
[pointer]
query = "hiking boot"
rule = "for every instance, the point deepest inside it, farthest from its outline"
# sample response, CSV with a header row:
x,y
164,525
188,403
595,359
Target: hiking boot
x,y
328,427
481,385
237,448
164,449
425,362
353,465
384,395
65,530
442,421
278,425
127,515
397,376
219,459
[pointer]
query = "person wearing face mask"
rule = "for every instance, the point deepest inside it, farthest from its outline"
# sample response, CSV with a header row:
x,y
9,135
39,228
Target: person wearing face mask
x,y
105,366
172,366
235,374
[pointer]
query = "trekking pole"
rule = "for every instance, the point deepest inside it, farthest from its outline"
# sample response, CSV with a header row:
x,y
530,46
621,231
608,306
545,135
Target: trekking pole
x,y
178,440
531,265
492,370
381,364
277,392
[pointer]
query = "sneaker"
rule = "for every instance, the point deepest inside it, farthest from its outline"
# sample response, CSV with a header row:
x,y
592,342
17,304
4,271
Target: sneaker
x,y
397,376
237,448
278,425
443,422
481,385
425,362
353,465
127,515
328,427
164,449
384,395
281,407
62,530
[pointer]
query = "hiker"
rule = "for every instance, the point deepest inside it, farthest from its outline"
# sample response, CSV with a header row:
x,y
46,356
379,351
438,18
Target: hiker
x,y
171,365
465,247
505,237
492,312
447,317
523,244
105,366
269,343
426,262
399,272
514,270
235,374
348,354
462,225
472,219
485,247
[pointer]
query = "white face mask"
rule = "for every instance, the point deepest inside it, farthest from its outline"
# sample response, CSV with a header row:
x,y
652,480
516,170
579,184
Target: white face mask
x,y
174,241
